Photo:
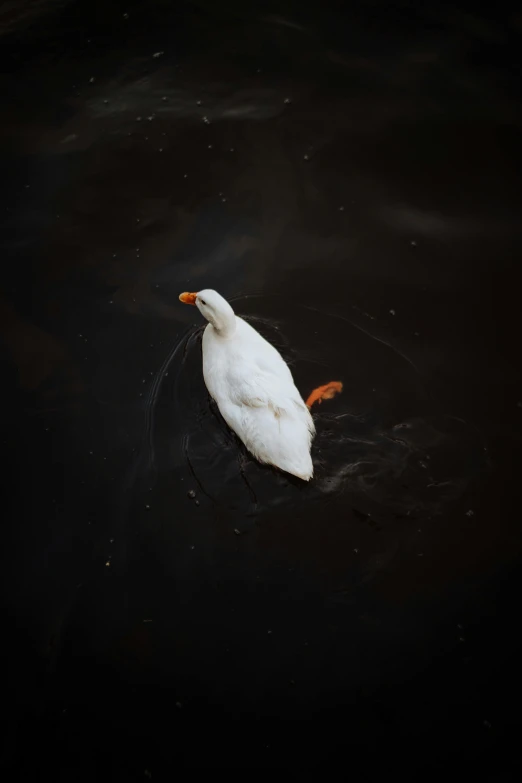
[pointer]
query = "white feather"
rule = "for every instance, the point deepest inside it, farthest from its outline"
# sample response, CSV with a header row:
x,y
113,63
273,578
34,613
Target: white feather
x,y
254,389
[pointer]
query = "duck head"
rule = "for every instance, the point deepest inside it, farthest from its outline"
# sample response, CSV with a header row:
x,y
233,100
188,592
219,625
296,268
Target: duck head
x,y
214,308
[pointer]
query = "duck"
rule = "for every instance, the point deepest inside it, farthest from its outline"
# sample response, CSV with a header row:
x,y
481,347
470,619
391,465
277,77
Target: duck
x,y
254,390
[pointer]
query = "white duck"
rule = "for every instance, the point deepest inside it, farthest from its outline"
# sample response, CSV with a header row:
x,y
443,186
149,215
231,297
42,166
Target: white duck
x,y
253,388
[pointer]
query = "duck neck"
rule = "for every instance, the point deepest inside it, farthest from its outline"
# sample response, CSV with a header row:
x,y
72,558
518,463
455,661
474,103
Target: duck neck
x,y
224,321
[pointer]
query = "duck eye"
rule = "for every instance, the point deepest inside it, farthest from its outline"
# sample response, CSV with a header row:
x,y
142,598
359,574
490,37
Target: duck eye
x,y
202,302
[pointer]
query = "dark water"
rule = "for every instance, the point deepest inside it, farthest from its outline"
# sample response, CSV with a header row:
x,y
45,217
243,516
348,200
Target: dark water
x,y
350,179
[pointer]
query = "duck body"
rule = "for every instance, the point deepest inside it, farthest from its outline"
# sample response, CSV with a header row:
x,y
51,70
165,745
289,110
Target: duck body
x,y
254,389
256,395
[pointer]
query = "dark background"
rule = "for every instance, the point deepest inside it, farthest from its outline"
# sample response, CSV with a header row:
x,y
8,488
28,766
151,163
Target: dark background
x,y
348,175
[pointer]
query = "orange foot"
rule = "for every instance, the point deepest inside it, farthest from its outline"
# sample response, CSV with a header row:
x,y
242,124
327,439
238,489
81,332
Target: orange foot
x,y
325,392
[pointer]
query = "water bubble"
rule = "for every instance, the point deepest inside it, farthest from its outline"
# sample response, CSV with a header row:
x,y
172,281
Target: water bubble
x,y
287,101
392,312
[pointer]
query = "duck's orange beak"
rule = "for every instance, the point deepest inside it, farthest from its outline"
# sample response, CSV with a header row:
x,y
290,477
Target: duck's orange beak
x,y
187,298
